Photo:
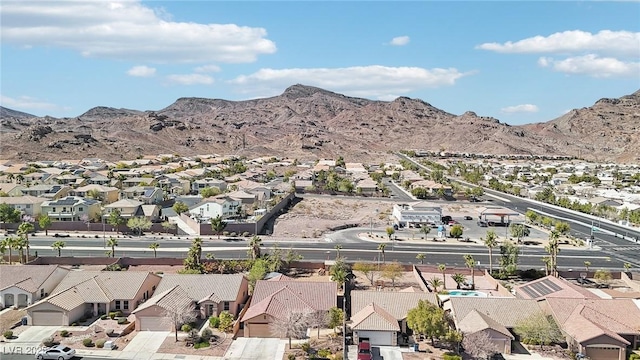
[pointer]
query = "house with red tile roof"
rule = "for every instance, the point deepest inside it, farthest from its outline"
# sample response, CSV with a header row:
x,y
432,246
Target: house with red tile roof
x,y
23,285
274,299
602,329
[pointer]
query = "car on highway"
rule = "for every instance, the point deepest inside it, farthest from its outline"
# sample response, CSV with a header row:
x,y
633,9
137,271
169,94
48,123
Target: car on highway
x,y
58,352
482,223
468,217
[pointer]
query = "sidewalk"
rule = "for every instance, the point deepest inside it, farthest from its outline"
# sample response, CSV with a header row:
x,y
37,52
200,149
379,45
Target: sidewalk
x,y
116,354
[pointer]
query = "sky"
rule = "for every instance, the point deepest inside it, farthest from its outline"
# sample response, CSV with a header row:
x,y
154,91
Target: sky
x,y
518,61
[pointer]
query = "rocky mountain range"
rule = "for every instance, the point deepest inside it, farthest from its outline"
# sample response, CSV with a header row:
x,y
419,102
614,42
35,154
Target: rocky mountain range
x,y
308,122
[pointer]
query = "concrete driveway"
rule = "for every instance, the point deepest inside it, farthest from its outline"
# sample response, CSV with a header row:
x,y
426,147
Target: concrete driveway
x,y
255,348
389,353
144,345
34,335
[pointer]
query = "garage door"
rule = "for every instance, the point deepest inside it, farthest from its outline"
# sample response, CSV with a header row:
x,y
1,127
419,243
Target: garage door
x,y
603,352
154,323
47,318
257,330
377,337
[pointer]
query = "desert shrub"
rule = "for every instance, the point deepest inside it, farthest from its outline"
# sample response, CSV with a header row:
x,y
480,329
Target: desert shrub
x,y
451,356
118,313
103,317
112,315
634,356
201,345
64,333
225,233
226,321
338,356
48,342
122,320
206,334
305,347
245,234
74,324
291,357
324,353
186,328
8,334
100,343
88,342
233,234
214,322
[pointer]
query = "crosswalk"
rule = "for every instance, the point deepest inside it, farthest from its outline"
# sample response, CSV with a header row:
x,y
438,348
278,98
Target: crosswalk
x,y
626,248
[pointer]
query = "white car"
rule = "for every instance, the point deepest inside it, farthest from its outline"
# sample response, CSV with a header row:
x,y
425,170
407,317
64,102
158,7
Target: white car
x,y
58,352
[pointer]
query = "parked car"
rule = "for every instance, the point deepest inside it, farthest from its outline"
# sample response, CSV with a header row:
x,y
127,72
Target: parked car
x,y
61,235
446,219
482,223
364,350
468,217
453,222
58,352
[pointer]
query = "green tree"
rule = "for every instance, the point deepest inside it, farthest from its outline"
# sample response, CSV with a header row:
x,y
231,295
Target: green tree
x,y
254,247
421,257
459,279
115,219
291,256
338,248
532,216
553,248
490,241
9,243
58,245
154,246
562,227
470,262
427,319
226,321
20,245
95,194
179,207
518,231
367,269
24,229
217,225
209,192
336,318
435,283
112,243
168,226
257,272
390,232
509,256
139,224
193,261
456,231
425,229
627,266
9,215
443,268
339,272
538,329
381,248
45,223
392,271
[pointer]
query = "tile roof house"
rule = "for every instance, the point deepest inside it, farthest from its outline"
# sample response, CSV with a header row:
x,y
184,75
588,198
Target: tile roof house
x,y
70,208
210,293
23,285
375,305
89,293
108,194
212,207
12,189
551,287
28,205
498,334
128,208
274,299
602,329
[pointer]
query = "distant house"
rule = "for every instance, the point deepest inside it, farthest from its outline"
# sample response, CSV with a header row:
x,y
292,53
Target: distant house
x,y
302,185
71,208
51,192
367,186
137,181
23,285
145,194
98,179
12,189
432,187
212,207
200,184
28,205
273,299
127,208
420,212
107,194
89,293
211,294
244,197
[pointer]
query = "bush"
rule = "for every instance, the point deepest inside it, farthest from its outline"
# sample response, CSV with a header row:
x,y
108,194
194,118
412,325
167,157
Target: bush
x,y
88,342
100,343
226,321
451,356
233,234
225,233
214,322
291,357
48,342
8,334
118,313
74,324
64,333
112,315
122,320
186,328
245,234
634,356
305,347
206,334
324,353
103,317
201,345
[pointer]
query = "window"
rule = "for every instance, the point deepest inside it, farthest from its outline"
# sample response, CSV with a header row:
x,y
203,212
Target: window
x,y
53,210
210,309
226,306
41,292
28,206
126,304
117,304
80,209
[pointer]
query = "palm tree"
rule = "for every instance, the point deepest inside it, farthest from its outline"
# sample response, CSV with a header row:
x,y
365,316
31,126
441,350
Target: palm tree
x,y
435,283
458,278
421,257
58,245
490,241
24,229
547,264
381,247
553,249
3,250
627,266
470,262
154,246
586,265
254,247
443,268
20,245
9,243
217,225
425,229
112,242
338,248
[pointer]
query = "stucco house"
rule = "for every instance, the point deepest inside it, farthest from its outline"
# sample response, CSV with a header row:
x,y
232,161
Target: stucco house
x,y
128,208
71,208
23,285
210,293
107,194
28,205
90,293
213,207
273,299
200,184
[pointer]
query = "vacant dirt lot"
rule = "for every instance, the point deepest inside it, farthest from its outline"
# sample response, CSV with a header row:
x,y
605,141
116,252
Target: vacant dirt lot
x,y
218,347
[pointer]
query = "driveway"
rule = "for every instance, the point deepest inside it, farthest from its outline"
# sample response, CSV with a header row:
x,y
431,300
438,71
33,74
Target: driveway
x,y
386,353
144,345
255,348
34,335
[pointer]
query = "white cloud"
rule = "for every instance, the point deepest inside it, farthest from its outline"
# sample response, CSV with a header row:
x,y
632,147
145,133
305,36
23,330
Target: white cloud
x,y
606,41
592,65
190,79
141,71
207,68
375,81
27,103
400,41
128,30
523,108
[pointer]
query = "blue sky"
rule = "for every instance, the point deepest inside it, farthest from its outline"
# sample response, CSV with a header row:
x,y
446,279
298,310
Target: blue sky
x,y
520,62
